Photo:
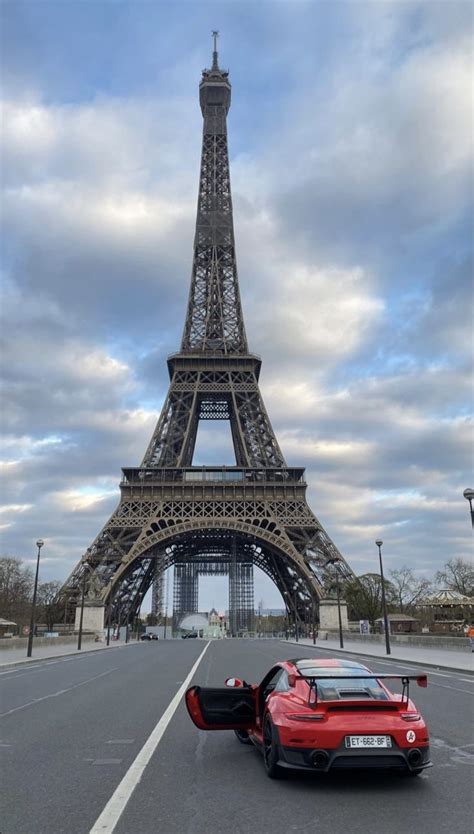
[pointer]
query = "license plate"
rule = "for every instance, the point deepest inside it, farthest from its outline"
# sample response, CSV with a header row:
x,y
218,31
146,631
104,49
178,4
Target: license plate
x,y
368,741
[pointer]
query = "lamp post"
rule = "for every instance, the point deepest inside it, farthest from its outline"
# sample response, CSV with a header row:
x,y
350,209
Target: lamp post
x,y
39,545
296,615
119,618
109,618
338,595
284,594
83,594
384,601
469,495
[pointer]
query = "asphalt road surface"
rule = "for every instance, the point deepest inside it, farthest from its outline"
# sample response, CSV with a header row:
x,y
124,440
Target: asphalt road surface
x,y
71,729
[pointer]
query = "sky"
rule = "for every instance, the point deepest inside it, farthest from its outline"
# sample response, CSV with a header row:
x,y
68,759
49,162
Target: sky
x,y
350,141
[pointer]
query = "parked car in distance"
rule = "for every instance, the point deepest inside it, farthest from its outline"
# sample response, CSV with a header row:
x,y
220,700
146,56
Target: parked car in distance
x,y
190,634
149,637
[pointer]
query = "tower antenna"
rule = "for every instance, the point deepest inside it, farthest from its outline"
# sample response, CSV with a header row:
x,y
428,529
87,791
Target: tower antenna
x,y
215,63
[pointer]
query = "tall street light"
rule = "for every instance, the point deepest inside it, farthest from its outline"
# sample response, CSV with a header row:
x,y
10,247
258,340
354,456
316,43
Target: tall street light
x,y
296,614
338,594
109,618
469,495
384,601
39,545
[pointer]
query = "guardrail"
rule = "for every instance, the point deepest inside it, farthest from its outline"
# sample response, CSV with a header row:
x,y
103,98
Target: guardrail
x,y
7,643
427,641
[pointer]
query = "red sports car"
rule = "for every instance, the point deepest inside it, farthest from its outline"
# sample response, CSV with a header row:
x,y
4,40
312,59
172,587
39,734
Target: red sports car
x,y
319,715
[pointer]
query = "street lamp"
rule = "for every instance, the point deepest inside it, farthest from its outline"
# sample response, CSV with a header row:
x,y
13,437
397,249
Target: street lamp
x,y
83,594
338,594
296,615
384,601
469,495
39,545
109,618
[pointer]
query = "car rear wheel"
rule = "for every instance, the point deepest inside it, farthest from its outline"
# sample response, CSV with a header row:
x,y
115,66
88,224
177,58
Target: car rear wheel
x,y
270,750
243,736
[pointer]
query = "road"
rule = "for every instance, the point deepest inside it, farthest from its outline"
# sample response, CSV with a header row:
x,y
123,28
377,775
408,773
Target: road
x,y
72,727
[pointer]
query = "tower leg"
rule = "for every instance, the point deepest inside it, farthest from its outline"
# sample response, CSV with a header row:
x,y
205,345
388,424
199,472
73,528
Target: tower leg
x,y
233,588
157,596
185,591
93,617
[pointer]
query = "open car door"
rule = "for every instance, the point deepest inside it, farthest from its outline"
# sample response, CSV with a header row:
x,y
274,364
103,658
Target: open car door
x,y
223,708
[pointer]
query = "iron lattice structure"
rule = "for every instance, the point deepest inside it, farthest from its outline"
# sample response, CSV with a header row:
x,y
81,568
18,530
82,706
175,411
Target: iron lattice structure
x,y
157,597
224,561
253,513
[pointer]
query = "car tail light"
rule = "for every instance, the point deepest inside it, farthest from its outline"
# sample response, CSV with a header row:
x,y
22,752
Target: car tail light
x,y
410,716
303,716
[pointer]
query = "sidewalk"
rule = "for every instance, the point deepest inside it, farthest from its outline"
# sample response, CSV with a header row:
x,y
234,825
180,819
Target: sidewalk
x,y
17,657
435,658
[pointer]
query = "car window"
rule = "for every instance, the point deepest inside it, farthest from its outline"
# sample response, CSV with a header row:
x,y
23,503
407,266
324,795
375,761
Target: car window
x,y
340,686
270,682
282,684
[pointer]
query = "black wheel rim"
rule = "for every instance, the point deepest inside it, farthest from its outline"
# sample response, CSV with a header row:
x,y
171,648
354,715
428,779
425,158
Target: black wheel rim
x,y
267,742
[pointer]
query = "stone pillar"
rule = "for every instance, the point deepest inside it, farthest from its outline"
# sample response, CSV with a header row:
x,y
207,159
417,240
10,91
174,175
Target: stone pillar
x,y
93,620
328,615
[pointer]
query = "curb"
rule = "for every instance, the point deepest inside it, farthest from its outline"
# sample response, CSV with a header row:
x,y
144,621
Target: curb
x,y
76,653
384,657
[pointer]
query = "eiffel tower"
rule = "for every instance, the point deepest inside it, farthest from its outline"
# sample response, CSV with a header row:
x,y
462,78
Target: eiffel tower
x,y
215,519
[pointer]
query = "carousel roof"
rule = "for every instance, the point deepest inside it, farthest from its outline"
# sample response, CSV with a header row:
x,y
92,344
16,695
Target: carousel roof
x,y
446,596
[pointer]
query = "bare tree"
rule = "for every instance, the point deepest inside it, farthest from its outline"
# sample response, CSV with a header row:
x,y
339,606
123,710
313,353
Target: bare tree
x,y
364,596
407,588
458,575
51,608
16,585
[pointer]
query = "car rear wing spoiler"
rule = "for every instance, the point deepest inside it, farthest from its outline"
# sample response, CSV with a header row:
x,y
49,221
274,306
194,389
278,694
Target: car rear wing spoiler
x,y
422,680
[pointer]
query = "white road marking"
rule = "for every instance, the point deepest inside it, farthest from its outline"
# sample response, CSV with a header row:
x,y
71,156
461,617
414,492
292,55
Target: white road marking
x,y
16,677
56,694
21,669
107,761
117,803
453,688
120,741
430,673
27,667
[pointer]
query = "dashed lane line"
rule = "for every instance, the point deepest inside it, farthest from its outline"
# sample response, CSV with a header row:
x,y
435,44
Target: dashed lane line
x,y
108,819
120,741
25,668
452,688
56,694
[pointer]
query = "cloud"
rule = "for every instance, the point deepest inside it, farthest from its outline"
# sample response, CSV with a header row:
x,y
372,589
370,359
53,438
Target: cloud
x,y
351,162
